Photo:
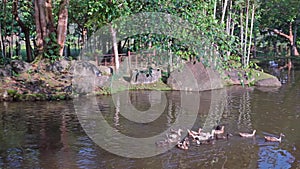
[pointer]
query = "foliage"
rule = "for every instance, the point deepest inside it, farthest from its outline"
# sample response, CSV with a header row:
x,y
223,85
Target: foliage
x,y
205,16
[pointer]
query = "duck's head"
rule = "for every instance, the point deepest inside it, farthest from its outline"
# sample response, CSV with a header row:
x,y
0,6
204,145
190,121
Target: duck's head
x,y
213,132
282,135
254,131
223,127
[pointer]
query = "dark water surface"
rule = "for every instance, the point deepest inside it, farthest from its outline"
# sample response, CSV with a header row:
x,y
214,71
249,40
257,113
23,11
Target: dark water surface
x,y
50,135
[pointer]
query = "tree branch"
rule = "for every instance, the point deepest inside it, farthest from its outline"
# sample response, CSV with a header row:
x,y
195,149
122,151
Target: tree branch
x,y
281,34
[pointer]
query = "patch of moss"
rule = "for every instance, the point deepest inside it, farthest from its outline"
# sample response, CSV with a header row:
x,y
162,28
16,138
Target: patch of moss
x,y
19,97
259,75
12,92
152,86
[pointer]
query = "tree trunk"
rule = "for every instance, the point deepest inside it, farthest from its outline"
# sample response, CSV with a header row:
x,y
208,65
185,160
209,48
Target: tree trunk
x,y
1,43
242,32
40,23
294,48
246,36
25,30
224,11
62,25
28,46
215,9
3,38
44,26
115,46
17,49
251,31
11,42
83,36
290,37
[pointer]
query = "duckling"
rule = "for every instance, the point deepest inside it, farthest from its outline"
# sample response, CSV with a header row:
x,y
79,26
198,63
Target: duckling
x,y
205,136
219,130
274,139
175,133
248,134
206,142
174,136
184,144
193,133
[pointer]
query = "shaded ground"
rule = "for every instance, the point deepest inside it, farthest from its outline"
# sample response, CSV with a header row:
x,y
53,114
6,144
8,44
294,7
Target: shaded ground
x,y
36,84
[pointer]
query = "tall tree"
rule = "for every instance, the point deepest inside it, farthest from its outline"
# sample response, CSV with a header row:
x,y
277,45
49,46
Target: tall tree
x,y
50,37
25,27
279,16
62,25
44,23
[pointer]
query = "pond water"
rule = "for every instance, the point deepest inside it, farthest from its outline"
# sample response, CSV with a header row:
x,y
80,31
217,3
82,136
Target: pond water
x,y
55,135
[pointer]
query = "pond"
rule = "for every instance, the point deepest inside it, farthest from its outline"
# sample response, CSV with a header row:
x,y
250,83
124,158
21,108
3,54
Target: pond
x,y
112,131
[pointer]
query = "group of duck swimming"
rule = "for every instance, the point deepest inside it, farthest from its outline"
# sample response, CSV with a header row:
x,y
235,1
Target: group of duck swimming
x,y
201,137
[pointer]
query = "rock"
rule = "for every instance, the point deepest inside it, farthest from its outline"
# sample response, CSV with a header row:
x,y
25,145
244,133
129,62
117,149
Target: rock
x,y
67,89
19,66
65,64
106,70
86,77
59,66
102,81
195,77
145,76
237,77
5,72
270,82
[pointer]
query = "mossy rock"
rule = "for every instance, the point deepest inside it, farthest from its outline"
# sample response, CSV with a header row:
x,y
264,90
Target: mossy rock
x,y
259,75
12,92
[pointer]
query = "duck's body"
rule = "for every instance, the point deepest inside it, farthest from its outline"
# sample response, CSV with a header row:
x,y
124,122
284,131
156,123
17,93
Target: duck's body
x,y
174,136
248,134
219,130
205,136
274,139
184,144
194,133
209,141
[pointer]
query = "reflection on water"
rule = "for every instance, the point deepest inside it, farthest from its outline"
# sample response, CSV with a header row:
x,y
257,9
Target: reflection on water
x,y
49,135
273,157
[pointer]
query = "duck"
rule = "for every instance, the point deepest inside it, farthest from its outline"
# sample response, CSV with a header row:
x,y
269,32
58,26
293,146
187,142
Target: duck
x,y
205,136
206,142
274,139
174,136
193,133
219,130
248,134
184,145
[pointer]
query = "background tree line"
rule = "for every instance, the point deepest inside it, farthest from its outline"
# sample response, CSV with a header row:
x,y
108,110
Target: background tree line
x,y
32,30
